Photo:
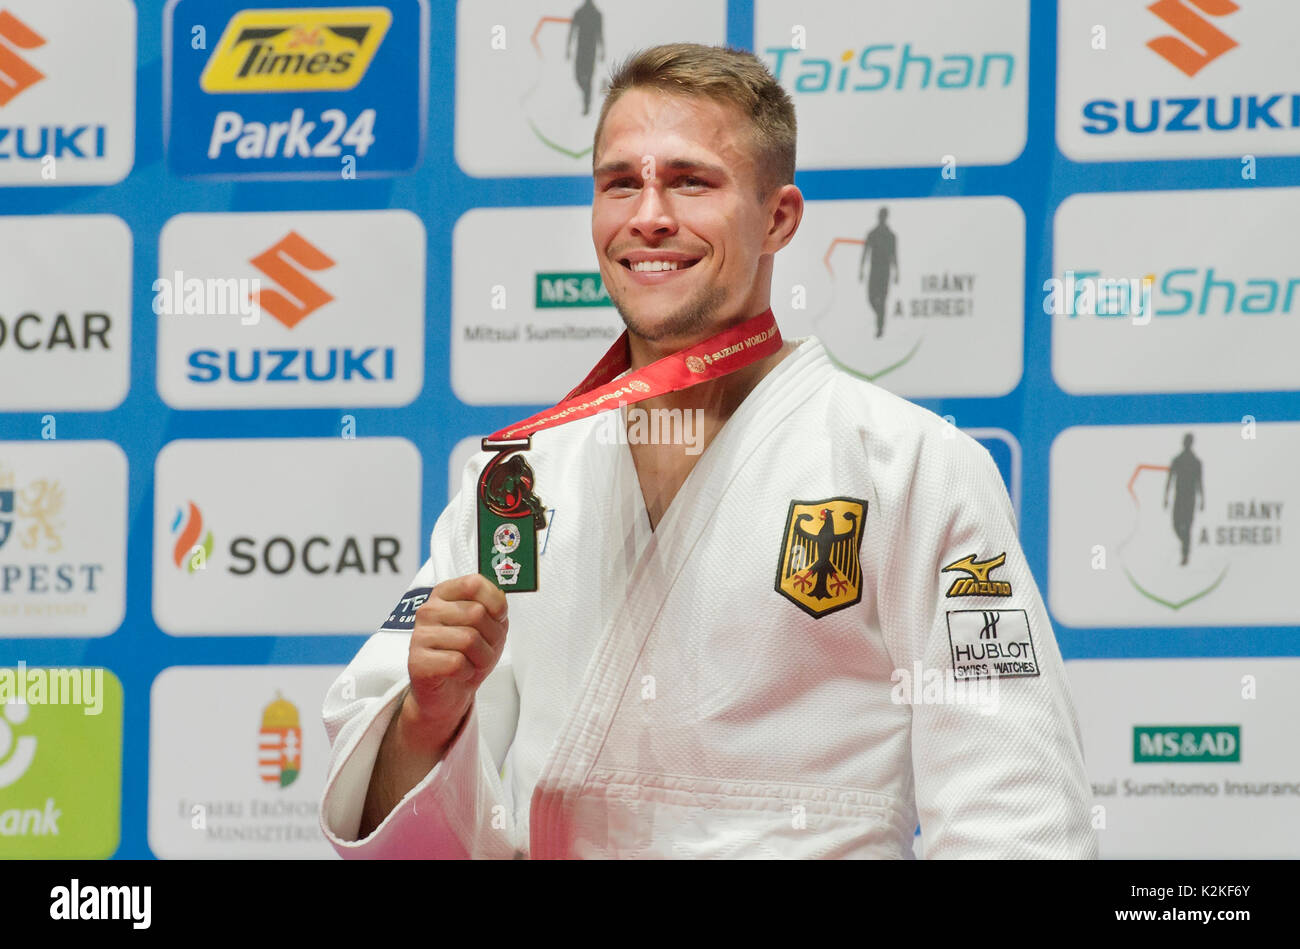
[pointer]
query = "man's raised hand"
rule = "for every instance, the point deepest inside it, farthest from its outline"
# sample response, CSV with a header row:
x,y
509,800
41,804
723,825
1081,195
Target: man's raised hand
x,y
460,632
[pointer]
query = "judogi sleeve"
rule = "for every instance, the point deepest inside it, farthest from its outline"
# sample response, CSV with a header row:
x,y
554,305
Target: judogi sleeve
x,y
1001,776
461,809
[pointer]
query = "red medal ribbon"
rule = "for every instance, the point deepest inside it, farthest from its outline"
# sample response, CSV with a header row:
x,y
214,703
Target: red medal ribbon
x,y
728,351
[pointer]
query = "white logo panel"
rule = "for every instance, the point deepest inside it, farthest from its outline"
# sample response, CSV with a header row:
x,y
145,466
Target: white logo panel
x,y
283,536
924,297
238,759
62,538
1177,80
67,92
877,83
523,327
1174,525
65,312
320,308
1207,805
543,68
1175,291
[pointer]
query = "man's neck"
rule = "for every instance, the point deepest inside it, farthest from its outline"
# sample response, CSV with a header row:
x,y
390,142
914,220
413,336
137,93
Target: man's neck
x,y
717,399
663,468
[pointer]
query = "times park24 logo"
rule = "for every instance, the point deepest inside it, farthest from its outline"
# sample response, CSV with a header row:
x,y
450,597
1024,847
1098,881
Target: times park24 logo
x,y
294,91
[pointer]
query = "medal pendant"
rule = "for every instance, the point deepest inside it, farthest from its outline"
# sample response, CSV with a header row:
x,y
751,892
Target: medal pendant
x,y
509,517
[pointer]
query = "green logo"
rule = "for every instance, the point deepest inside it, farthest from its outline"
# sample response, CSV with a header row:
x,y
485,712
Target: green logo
x,y
570,290
60,764
1186,743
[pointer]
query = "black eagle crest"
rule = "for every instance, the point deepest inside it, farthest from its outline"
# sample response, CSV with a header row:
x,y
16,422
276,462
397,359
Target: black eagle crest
x,y
821,550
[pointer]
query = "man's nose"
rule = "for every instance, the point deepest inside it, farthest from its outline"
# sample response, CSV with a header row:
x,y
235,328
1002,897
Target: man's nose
x,y
653,216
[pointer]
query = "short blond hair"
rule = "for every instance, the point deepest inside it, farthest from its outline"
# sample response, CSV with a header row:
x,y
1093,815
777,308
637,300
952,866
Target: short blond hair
x,y
734,77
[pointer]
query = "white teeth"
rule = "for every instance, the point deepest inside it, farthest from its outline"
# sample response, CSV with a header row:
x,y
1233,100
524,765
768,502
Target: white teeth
x,y
653,266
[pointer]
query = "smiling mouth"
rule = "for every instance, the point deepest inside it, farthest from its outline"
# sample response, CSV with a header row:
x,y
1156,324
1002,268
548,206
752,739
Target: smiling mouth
x,y
658,266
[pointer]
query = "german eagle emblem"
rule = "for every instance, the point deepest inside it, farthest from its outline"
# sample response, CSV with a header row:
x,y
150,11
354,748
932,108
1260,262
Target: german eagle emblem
x,y
819,570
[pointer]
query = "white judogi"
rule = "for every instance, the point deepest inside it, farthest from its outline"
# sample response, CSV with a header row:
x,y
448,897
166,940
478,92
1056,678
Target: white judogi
x,y
658,697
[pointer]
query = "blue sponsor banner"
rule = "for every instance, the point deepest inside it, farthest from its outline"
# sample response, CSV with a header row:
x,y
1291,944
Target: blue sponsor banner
x,y
310,90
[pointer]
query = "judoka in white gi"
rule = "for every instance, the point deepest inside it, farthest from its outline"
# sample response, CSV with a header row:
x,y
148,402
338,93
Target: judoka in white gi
x,y
727,653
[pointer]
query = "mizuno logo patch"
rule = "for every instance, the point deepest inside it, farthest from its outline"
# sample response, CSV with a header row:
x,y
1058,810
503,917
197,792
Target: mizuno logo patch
x,y
978,582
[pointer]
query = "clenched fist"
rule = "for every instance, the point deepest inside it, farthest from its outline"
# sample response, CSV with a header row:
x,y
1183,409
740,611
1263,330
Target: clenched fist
x,y
460,632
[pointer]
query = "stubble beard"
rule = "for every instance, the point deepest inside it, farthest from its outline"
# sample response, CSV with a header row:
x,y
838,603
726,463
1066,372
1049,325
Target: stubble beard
x,y
689,320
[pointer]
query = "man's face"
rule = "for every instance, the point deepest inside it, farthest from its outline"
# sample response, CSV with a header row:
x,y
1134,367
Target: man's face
x,y
675,218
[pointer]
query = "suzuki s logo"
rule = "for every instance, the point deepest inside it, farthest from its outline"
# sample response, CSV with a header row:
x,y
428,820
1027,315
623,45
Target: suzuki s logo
x,y
16,74
1201,43
296,50
302,297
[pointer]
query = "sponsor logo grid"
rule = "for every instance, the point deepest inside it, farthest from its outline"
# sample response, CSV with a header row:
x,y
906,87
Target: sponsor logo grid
x,y
256,393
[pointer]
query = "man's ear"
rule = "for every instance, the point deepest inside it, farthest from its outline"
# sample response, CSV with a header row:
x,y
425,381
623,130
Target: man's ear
x,y
786,211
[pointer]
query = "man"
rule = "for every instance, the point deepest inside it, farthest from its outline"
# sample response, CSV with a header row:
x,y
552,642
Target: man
x,y
881,248
1185,478
665,693
585,27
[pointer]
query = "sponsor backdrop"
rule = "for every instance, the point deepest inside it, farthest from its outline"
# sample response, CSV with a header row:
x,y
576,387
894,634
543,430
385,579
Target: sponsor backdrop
x,y
268,272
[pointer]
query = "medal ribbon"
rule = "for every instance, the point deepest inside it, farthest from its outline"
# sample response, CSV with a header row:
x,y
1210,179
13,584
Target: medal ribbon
x,y
731,350
509,512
